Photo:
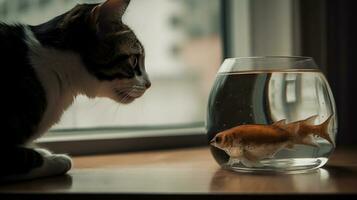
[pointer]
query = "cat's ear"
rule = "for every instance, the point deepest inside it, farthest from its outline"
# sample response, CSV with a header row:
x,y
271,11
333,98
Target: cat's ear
x,y
106,16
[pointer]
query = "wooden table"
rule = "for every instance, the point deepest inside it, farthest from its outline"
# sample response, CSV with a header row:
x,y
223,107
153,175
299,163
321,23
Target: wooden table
x,y
189,173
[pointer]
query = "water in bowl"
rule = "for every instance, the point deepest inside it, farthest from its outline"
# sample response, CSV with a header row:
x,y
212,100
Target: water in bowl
x,y
265,97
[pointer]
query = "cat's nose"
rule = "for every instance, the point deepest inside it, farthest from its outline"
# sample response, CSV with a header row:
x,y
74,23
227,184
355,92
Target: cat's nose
x,y
148,84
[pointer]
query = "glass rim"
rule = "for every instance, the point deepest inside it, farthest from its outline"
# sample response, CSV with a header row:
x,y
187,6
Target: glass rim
x,y
268,63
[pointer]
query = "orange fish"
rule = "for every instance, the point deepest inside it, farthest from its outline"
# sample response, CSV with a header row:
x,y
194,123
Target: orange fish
x,y
252,143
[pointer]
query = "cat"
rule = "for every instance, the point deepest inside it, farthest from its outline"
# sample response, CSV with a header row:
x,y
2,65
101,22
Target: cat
x,y
87,50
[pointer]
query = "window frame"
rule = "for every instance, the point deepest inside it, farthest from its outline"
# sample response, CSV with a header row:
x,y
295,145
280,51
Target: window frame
x,y
104,141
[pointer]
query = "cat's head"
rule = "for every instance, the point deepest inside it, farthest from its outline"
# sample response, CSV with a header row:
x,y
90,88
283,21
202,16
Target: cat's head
x,y
110,50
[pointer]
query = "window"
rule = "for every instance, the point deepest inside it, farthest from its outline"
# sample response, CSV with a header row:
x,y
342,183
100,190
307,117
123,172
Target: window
x,y
183,47
184,42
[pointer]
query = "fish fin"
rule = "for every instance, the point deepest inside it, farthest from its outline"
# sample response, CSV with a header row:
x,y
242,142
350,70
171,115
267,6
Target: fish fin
x,y
280,122
234,152
248,155
308,140
250,163
232,161
311,120
324,132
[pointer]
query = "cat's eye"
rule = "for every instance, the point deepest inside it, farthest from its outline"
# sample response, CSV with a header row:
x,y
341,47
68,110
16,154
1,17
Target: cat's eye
x,y
134,61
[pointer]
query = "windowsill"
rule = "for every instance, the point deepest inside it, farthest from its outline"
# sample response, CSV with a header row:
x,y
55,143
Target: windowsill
x,y
109,141
190,172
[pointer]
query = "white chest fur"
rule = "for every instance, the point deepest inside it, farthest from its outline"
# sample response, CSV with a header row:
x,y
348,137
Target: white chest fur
x,y
58,100
62,75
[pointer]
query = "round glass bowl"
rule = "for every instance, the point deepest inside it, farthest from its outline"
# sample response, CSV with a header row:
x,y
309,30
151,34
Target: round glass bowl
x,y
271,114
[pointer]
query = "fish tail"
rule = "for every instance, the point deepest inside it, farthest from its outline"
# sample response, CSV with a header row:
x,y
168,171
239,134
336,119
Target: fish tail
x,y
323,130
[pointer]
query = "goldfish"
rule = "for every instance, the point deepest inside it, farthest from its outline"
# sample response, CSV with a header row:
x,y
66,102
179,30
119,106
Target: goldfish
x,y
250,144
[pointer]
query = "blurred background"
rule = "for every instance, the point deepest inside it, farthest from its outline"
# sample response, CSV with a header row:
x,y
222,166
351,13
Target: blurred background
x,y
187,40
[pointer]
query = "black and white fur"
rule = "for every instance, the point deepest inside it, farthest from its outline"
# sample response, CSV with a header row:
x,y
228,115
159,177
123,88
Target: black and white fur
x,y
88,51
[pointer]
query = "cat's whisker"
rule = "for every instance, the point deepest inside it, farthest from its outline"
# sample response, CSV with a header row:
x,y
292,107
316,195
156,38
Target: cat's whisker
x,y
141,88
123,98
117,108
120,91
126,97
96,101
130,93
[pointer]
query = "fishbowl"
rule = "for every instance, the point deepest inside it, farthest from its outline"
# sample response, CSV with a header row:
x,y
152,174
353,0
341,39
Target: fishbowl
x,y
271,114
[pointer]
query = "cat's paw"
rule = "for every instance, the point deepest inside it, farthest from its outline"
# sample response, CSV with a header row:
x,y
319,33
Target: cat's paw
x,y
57,164
53,165
43,152
61,160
